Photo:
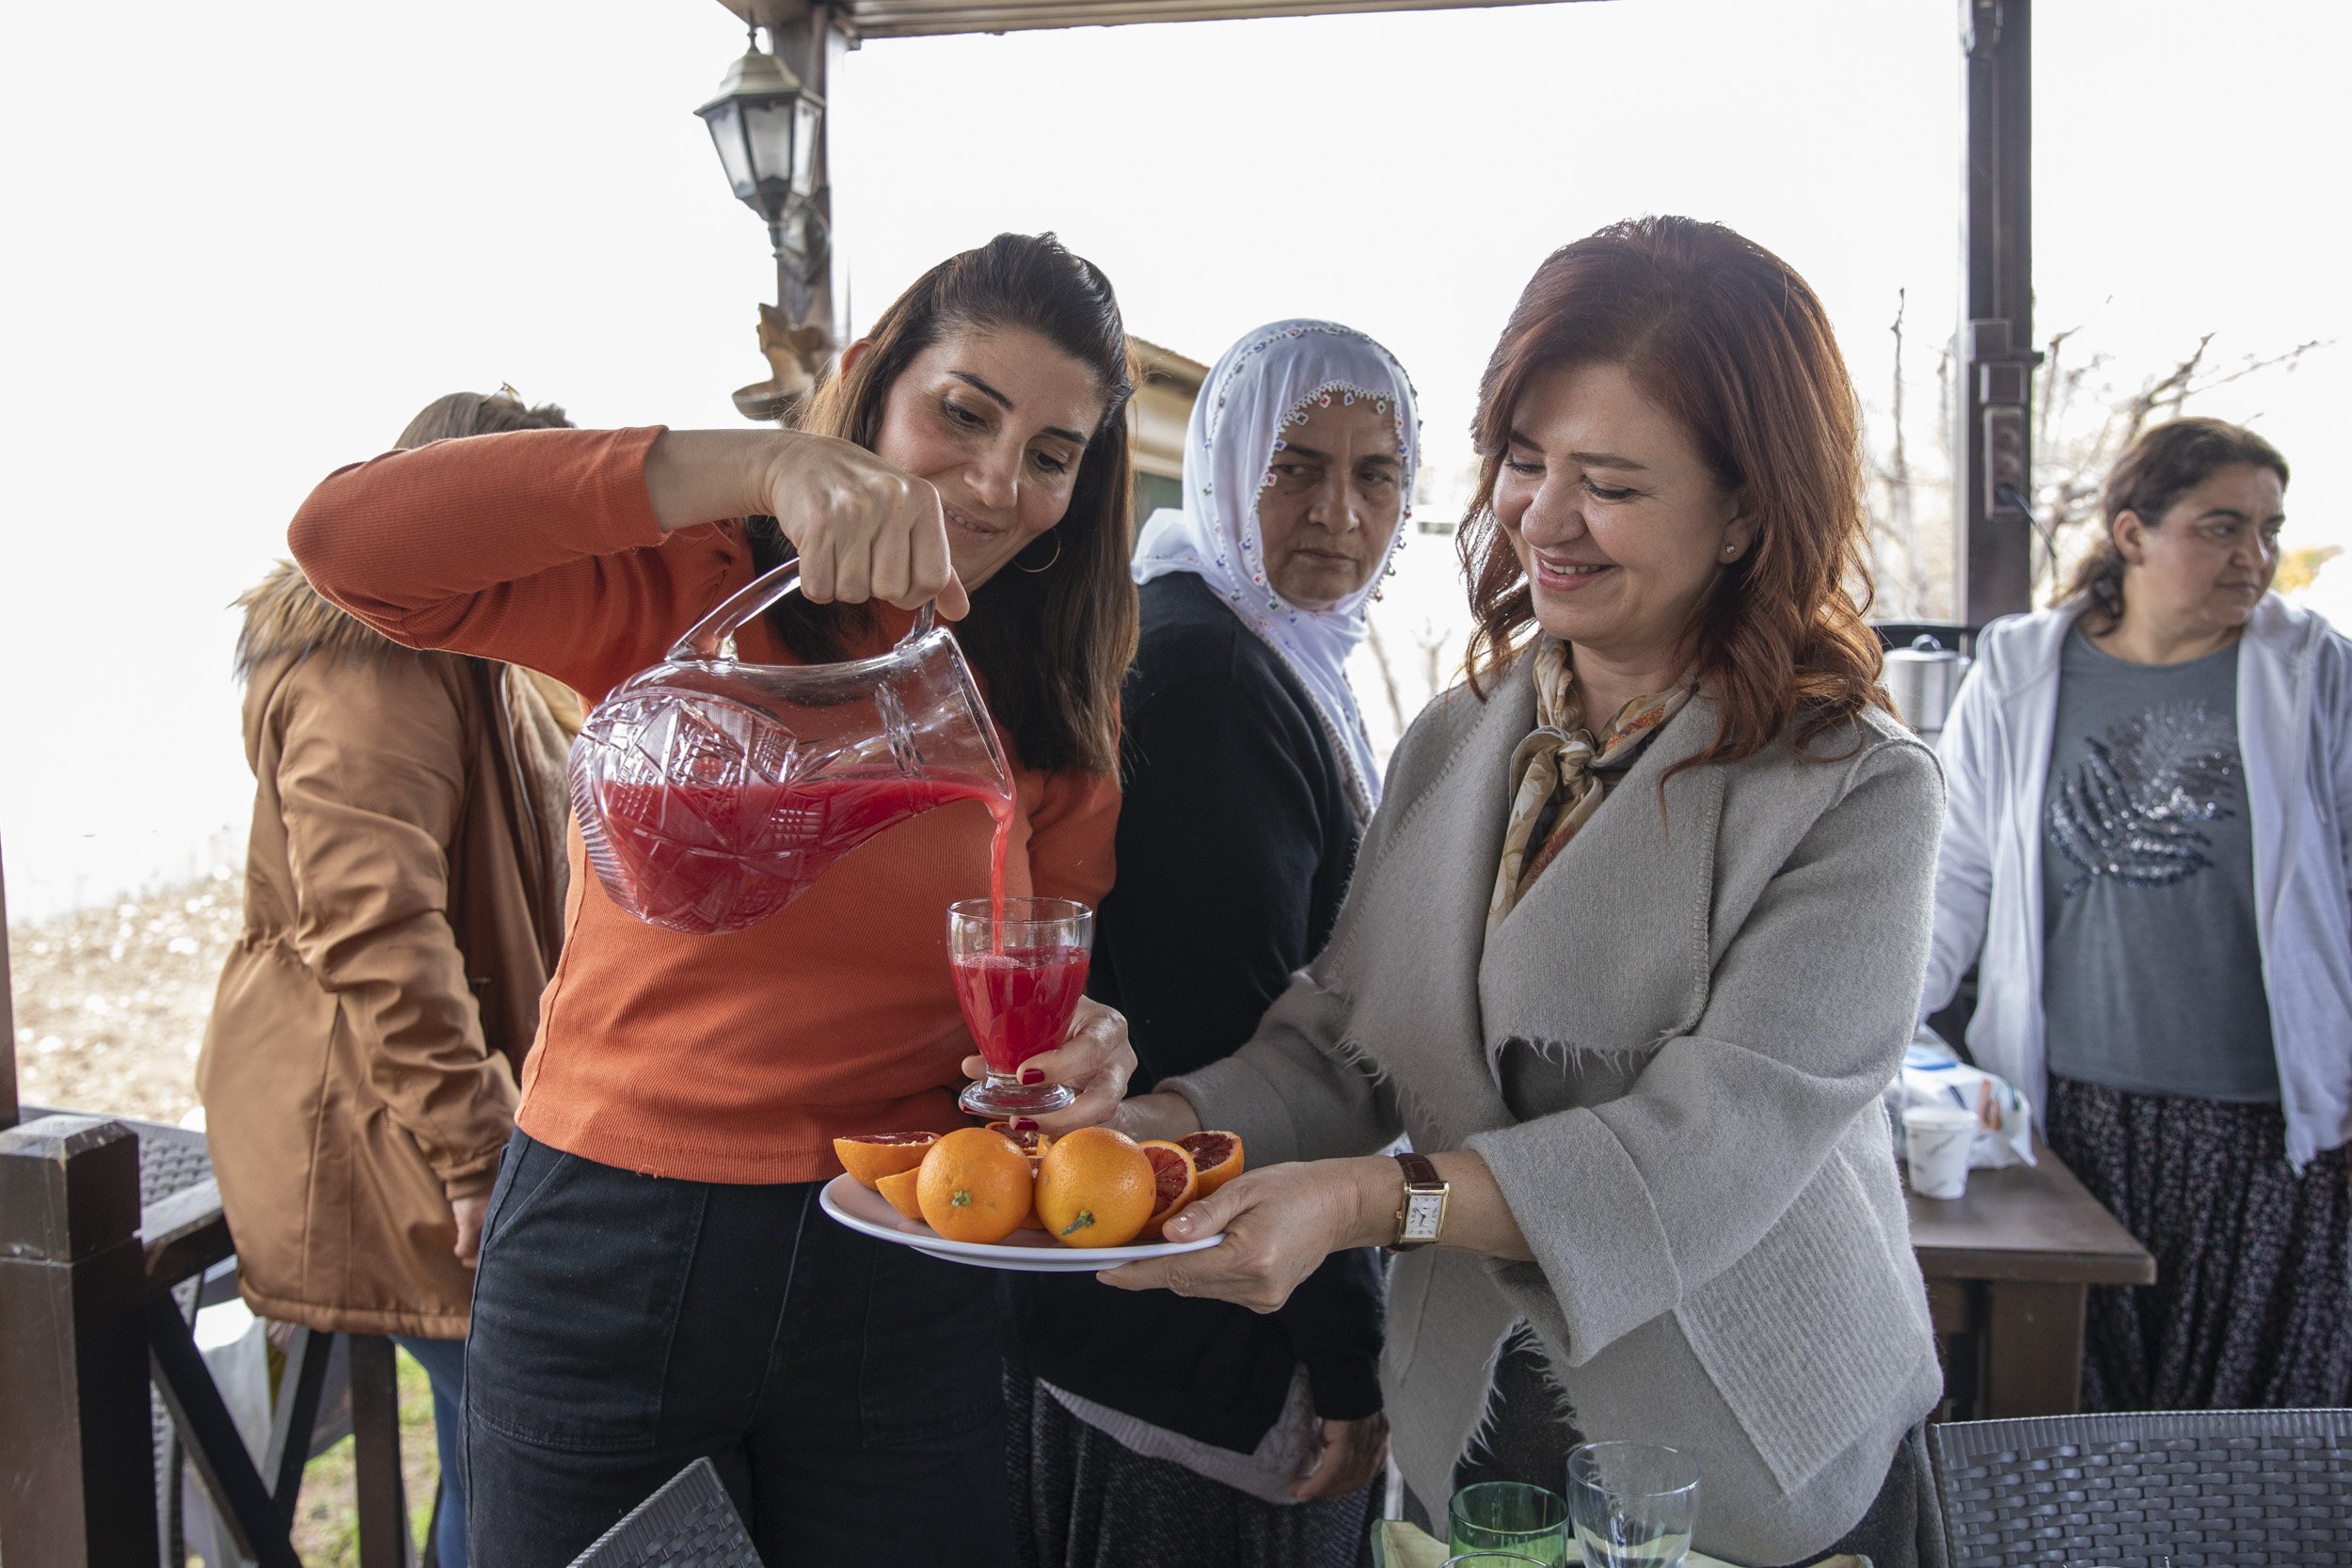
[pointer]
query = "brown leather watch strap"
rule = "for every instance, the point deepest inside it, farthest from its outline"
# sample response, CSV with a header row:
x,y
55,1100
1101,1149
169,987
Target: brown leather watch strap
x,y
1421,1174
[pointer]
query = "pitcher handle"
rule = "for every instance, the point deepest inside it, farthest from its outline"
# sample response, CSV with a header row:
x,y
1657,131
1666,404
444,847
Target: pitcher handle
x,y
713,635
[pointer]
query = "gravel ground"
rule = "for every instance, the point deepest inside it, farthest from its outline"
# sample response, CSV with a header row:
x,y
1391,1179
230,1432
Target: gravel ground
x,y
111,1002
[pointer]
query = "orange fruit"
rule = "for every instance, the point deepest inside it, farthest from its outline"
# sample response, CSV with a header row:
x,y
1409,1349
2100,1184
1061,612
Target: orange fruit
x,y
871,1156
1094,1188
975,1186
1033,1142
1215,1155
899,1192
1175,1181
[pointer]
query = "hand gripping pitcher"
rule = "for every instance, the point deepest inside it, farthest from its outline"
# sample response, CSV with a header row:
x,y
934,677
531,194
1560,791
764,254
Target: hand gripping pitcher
x,y
712,793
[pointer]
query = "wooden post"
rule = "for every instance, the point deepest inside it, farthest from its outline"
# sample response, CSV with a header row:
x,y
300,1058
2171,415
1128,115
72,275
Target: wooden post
x,y
1995,356
383,1541
2036,1365
7,1020
75,1444
808,46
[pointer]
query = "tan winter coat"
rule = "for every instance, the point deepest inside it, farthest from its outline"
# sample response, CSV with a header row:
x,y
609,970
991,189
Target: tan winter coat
x,y
403,905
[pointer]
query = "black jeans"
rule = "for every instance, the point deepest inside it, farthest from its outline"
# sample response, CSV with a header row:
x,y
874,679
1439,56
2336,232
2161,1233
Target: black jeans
x,y
624,1325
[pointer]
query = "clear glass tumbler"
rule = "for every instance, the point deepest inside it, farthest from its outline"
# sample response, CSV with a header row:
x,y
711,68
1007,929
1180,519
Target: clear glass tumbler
x,y
1635,1504
1509,1516
1018,983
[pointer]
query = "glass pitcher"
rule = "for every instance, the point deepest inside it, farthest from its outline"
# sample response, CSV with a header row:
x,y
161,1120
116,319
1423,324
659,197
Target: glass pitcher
x,y
712,793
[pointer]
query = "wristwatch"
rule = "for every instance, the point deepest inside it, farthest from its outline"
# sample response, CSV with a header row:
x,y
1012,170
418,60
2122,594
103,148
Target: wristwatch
x,y
1422,1212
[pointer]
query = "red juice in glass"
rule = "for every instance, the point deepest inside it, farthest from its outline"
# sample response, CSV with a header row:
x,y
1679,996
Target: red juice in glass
x,y
1018,979
1018,1002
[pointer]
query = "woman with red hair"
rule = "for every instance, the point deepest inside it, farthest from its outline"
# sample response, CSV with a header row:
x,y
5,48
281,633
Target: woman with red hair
x,y
1633,946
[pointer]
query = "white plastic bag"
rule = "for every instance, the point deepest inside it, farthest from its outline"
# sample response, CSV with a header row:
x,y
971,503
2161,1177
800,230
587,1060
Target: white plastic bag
x,y
1933,1074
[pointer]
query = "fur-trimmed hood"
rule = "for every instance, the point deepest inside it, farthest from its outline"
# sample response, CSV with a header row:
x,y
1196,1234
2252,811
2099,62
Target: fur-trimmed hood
x,y
283,613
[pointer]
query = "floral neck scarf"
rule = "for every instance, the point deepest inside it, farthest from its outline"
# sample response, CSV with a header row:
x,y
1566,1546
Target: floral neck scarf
x,y
1556,781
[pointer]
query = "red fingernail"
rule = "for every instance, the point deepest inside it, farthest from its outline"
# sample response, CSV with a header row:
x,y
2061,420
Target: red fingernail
x,y
1033,1075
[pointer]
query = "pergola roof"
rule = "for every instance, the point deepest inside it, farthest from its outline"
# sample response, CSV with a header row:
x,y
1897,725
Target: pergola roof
x,y
898,19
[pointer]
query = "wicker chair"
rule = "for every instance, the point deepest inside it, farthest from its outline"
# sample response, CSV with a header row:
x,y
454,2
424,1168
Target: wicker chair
x,y
2209,1487
688,1523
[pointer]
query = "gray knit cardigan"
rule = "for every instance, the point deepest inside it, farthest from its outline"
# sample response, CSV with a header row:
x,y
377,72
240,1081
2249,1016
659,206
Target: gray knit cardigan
x,y
1714,1002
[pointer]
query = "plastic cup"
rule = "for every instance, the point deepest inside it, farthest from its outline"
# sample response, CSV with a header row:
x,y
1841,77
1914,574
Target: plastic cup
x,y
1937,1139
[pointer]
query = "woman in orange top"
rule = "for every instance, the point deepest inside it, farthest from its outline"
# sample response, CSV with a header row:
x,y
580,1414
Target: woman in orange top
x,y
656,1283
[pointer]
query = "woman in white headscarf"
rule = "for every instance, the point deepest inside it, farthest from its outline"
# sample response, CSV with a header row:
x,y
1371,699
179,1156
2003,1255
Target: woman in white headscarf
x,y
1155,1428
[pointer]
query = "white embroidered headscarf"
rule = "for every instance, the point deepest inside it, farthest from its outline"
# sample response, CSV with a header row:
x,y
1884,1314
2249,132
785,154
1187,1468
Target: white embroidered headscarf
x,y
1263,385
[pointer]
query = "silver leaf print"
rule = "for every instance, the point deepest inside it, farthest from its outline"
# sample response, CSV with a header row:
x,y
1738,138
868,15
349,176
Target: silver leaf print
x,y
2131,810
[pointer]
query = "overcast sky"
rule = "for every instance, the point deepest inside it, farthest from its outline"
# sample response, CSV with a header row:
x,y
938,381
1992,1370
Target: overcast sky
x,y
247,242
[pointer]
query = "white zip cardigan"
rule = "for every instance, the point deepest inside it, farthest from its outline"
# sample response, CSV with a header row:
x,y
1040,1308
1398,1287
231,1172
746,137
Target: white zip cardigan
x,y
2294,736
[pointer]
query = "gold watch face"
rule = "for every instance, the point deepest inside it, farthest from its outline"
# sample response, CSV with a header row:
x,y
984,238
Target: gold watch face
x,y
1421,1214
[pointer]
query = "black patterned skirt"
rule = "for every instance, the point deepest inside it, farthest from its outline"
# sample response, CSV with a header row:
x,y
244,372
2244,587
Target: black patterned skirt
x,y
1081,1500
2252,1304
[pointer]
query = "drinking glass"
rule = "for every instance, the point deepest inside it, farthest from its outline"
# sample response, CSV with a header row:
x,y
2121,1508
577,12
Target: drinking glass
x,y
1635,1504
1017,981
1509,1516
1490,1559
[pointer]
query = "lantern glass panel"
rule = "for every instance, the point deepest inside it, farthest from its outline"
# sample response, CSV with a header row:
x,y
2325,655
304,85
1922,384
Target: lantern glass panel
x,y
772,126
805,147
726,135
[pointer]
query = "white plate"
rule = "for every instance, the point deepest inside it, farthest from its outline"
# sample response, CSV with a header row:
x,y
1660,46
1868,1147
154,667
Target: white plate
x,y
1024,1251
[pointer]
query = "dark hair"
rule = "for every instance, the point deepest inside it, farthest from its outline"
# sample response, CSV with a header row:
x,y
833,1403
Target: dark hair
x,y
1726,337
478,413
2148,481
1050,645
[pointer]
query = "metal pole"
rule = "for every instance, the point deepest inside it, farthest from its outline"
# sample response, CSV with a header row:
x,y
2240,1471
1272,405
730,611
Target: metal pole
x,y
1996,359
75,1445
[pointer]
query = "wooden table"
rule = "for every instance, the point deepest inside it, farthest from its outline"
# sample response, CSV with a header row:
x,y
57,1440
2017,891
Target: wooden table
x,y
2007,1266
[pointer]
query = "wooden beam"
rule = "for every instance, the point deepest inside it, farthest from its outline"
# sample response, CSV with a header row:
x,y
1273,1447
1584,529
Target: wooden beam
x,y
899,18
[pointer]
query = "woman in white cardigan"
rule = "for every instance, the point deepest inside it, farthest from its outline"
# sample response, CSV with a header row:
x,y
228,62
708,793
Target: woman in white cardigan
x,y
2146,855
1633,945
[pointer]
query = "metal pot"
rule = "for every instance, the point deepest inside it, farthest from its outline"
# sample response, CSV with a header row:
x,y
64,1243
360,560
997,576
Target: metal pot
x,y
1923,679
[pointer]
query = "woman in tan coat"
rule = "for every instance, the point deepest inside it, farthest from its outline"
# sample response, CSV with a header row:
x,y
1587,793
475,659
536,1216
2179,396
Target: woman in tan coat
x,y
403,907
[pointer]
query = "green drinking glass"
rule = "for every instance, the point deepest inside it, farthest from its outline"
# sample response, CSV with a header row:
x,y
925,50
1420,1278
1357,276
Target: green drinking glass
x,y
1490,1559
1509,1516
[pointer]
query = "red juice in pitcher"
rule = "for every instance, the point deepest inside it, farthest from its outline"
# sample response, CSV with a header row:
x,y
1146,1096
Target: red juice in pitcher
x,y
1017,1001
701,857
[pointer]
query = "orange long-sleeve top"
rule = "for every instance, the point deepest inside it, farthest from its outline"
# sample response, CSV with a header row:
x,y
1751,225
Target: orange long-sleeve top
x,y
715,1058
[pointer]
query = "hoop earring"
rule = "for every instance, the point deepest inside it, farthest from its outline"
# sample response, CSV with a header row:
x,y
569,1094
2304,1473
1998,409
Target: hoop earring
x,y
1033,571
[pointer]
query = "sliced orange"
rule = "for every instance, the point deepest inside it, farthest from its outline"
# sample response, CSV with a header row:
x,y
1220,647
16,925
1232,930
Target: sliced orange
x,y
1094,1188
975,1186
1175,1181
899,1192
871,1156
1215,1155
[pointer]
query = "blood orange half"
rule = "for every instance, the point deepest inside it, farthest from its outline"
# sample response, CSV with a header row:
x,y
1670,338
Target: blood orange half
x,y
1175,1181
1032,1142
1215,1155
871,1156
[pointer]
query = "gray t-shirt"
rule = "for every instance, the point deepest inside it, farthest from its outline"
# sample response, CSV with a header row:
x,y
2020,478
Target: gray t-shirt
x,y
2152,977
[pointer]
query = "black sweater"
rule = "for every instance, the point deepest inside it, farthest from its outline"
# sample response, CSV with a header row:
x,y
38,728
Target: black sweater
x,y
1235,848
